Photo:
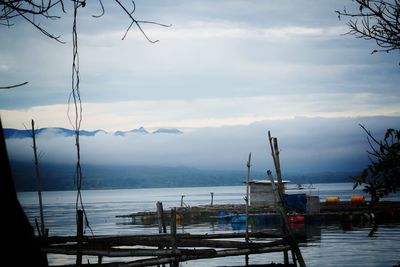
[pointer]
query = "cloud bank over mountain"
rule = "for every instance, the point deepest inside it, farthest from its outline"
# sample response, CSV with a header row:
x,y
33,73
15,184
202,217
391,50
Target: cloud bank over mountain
x,y
306,145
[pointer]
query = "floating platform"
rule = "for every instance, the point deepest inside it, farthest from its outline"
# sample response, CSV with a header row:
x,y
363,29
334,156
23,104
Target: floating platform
x,y
329,212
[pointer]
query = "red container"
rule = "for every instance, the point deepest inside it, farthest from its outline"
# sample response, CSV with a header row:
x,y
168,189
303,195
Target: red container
x,y
357,199
295,218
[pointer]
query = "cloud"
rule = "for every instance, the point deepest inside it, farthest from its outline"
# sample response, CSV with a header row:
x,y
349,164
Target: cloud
x,y
213,50
208,112
306,144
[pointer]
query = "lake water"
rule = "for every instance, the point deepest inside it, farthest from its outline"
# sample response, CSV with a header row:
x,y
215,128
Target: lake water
x,y
326,245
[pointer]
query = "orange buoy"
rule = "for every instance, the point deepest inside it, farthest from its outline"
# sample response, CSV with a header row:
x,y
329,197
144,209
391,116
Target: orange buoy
x,y
357,199
179,218
332,199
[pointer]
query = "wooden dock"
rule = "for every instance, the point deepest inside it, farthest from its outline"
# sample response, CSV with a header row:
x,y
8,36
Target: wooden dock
x,y
329,212
182,247
167,248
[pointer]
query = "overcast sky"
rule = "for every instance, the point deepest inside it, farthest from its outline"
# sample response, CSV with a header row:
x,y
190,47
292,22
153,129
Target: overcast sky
x,y
220,64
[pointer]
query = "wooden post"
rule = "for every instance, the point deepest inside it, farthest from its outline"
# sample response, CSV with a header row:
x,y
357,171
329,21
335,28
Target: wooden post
x,y
182,196
294,258
212,198
79,237
161,222
173,228
286,257
38,182
174,263
160,215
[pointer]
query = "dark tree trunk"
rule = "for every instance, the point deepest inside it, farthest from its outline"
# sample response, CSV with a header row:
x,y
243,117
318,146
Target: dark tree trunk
x,y
20,246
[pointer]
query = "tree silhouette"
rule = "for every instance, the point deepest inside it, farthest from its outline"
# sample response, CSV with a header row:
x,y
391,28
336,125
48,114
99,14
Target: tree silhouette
x,y
377,20
382,176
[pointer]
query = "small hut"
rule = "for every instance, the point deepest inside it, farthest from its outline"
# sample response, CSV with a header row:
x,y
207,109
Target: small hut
x,y
261,193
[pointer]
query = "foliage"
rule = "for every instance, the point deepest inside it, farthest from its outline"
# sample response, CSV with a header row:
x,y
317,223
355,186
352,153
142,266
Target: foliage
x,y
377,20
382,176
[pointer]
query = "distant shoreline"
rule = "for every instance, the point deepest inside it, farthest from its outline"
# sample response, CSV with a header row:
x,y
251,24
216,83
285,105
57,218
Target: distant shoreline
x,y
59,177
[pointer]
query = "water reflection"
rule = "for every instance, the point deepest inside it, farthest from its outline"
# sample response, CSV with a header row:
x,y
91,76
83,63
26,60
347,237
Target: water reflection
x,y
326,242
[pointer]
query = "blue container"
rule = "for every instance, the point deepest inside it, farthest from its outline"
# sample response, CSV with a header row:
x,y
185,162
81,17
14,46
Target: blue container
x,y
239,219
223,220
261,219
296,202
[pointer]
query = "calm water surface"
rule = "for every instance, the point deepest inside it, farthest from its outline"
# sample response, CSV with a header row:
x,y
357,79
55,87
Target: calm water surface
x,y
327,245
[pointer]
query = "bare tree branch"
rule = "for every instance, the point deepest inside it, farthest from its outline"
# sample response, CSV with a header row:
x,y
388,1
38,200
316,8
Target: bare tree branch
x,y
134,21
377,20
31,10
13,86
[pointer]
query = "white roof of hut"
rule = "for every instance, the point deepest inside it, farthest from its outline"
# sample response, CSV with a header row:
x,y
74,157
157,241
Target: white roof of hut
x,y
264,182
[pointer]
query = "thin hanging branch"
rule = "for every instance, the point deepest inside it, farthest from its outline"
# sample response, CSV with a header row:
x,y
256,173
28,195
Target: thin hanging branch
x,y
102,10
13,86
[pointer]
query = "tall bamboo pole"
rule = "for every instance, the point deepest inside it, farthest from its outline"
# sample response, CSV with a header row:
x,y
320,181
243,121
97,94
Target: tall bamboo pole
x,y
273,141
247,205
247,197
38,182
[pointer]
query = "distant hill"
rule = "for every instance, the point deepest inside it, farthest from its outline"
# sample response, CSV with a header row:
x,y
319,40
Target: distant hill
x,y
60,177
16,133
140,130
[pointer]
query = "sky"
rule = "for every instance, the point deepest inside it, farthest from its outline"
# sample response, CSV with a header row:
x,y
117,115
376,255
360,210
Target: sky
x,y
221,65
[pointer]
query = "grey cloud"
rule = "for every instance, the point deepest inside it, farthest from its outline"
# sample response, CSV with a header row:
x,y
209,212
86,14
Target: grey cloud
x,y
112,69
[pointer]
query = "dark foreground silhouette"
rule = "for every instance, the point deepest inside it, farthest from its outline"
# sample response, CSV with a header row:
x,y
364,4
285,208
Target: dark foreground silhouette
x,y
20,248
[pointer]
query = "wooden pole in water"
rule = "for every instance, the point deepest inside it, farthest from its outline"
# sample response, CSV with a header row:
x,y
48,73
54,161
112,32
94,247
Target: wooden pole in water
x,y
247,204
247,197
79,237
161,223
182,196
38,182
160,215
174,263
212,198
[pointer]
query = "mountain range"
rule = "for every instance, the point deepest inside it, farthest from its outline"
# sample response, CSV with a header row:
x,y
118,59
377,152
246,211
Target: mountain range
x,y
16,133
